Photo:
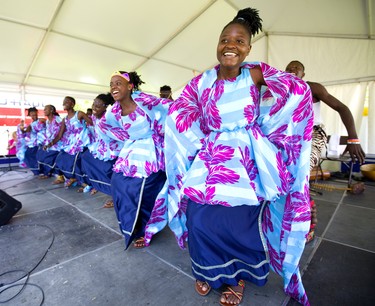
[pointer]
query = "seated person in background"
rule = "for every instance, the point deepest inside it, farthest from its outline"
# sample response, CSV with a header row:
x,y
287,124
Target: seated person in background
x,y
166,92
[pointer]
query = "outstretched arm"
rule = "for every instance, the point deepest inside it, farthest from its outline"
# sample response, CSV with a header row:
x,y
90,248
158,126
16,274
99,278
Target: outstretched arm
x,y
319,92
58,136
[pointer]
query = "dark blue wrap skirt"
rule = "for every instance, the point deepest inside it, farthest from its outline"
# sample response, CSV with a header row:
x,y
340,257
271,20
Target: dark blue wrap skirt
x,y
31,161
46,160
226,244
134,199
69,165
98,172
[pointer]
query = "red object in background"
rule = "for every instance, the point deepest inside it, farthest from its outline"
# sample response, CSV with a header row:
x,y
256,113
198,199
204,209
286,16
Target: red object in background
x,y
11,116
6,111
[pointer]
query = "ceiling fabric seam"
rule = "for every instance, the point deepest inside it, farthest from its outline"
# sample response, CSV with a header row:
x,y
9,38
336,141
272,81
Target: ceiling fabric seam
x,y
42,43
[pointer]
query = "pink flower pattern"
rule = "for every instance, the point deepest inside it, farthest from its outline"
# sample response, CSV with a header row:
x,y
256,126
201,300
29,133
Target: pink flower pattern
x,y
52,130
75,137
262,155
141,135
37,135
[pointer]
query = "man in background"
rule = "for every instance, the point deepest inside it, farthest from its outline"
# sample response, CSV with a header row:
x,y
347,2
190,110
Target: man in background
x,y
166,92
319,137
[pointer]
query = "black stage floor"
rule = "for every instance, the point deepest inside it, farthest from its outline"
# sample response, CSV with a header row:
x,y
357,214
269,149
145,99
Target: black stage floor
x,y
86,263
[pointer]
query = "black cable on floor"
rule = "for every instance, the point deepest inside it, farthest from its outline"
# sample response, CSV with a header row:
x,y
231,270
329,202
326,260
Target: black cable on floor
x,y
27,273
36,191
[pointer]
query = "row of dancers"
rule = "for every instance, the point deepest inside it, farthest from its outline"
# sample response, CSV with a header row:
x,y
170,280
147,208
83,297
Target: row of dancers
x,y
228,174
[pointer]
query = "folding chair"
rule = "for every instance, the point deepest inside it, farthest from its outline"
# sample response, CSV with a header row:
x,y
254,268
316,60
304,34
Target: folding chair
x,y
343,159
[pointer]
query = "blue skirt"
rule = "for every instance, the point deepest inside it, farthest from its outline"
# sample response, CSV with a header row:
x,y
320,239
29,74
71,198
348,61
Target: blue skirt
x,y
46,160
98,172
134,199
31,161
79,174
68,164
225,244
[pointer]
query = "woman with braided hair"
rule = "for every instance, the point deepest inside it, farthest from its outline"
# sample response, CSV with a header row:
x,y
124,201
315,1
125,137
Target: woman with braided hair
x,y
98,160
137,119
74,139
238,170
34,135
47,156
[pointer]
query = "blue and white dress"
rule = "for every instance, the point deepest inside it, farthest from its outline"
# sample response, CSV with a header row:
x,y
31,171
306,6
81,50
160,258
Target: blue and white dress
x,y
33,140
47,158
139,171
238,176
74,141
98,160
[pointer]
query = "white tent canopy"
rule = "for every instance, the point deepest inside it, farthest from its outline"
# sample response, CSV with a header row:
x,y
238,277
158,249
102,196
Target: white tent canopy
x,y
75,45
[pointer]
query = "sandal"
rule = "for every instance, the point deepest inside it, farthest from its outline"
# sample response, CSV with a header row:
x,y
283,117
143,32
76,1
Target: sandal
x,y
85,188
60,180
199,285
231,291
71,182
139,243
108,204
310,235
43,176
93,191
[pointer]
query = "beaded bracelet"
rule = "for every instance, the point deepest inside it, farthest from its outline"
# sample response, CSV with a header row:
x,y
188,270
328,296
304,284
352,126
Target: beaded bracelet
x,y
353,141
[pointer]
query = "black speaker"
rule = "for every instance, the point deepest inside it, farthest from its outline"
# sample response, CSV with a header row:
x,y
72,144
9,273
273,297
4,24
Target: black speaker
x,y
9,206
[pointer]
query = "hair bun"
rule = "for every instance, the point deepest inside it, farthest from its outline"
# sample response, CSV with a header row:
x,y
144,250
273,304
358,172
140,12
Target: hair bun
x,y
250,17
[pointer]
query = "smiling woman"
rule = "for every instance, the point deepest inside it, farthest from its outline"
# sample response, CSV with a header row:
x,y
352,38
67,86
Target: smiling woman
x,y
237,171
137,119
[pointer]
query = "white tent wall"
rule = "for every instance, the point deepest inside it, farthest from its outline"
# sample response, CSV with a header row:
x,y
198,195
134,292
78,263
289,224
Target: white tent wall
x,y
353,96
335,60
259,50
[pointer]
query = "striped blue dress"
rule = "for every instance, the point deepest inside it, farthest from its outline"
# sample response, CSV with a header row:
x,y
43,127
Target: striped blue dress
x,y
33,140
237,171
47,158
139,171
74,141
98,160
